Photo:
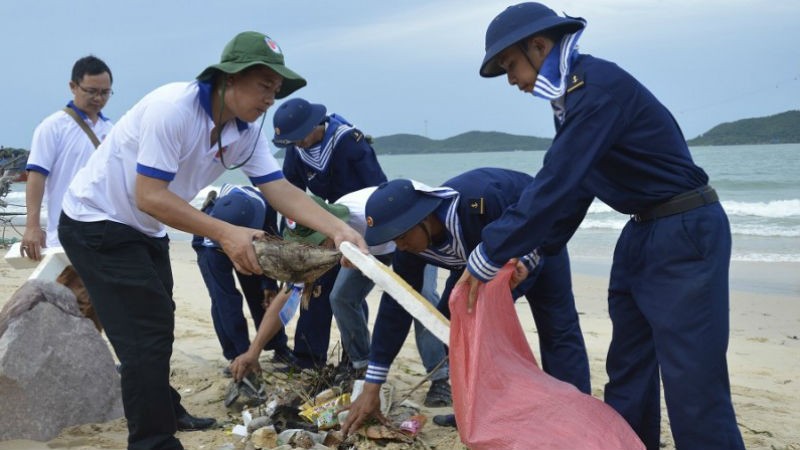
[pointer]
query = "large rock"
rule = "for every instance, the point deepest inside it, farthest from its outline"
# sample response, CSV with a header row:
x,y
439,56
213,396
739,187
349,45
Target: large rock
x,y
55,368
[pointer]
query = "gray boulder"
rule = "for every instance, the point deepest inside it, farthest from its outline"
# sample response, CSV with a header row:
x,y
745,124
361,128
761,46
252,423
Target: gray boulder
x,y
56,370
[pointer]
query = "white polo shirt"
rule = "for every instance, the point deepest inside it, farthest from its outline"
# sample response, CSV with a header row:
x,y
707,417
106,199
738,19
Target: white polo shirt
x,y
166,135
356,203
59,149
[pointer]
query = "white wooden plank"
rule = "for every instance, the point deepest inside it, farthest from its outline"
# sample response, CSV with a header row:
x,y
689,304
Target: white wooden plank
x,y
49,268
405,295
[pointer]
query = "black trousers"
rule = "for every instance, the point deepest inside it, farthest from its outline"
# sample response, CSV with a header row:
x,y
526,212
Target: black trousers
x,y
129,279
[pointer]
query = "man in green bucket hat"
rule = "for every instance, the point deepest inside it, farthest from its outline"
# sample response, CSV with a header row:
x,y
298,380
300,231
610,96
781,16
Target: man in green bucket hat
x,y
251,49
175,141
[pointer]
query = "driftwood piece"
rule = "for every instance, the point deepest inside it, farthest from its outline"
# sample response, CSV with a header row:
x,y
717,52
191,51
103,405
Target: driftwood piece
x,y
294,262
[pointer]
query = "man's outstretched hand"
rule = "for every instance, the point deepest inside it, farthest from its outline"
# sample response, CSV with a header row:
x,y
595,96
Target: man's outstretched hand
x,y
368,404
520,273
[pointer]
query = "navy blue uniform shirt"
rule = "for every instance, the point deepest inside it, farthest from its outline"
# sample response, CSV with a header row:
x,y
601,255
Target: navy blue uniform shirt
x,y
496,190
616,142
270,226
353,166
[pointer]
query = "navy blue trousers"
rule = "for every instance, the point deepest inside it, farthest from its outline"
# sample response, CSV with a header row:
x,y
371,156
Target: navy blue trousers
x,y
226,302
668,302
313,332
129,278
552,303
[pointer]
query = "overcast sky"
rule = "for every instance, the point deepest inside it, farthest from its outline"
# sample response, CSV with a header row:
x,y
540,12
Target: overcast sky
x,y
404,67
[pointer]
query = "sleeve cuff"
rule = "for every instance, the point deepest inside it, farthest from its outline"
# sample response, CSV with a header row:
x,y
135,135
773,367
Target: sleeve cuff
x,y
35,168
152,172
376,373
480,266
277,175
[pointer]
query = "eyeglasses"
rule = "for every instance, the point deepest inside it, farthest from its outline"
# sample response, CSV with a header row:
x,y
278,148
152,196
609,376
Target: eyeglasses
x,y
102,93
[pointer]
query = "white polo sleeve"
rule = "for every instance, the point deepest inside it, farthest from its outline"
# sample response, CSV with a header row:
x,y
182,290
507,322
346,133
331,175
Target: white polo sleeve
x,y
162,131
45,145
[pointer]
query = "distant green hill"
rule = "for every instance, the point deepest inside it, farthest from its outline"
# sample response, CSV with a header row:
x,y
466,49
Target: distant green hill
x,y
473,141
783,128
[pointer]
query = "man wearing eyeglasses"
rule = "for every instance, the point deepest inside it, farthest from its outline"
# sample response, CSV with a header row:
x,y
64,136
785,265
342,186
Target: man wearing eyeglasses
x,y
60,147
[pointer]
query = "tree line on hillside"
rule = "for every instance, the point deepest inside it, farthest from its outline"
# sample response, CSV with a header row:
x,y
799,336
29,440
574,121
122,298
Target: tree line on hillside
x,y
783,128
473,141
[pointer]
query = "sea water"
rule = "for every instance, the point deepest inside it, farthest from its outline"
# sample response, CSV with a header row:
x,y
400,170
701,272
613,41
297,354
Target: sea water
x,y
758,185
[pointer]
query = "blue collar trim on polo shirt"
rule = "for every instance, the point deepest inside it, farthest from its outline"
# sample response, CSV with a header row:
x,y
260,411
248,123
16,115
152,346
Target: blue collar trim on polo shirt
x,y
83,115
204,95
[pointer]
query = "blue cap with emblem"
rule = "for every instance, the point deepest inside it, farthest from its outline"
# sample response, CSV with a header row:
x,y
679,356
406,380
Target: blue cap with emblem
x,y
394,208
515,24
240,209
295,119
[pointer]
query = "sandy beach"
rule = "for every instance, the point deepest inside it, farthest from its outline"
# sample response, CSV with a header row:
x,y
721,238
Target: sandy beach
x,y
763,357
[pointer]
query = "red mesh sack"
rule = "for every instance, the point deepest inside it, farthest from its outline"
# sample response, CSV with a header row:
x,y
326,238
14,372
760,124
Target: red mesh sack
x,y
502,399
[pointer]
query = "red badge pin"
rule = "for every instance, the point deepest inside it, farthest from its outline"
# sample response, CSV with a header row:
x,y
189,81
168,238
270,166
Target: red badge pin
x,y
272,45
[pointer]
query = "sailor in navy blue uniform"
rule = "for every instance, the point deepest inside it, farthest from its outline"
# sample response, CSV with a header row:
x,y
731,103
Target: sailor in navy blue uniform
x,y
330,157
324,153
440,226
668,292
243,206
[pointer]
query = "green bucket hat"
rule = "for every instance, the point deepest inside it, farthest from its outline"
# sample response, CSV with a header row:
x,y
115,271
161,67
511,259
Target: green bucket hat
x,y
248,49
300,233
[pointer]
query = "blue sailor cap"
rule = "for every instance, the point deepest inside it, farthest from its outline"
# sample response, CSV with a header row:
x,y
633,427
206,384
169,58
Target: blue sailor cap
x,y
394,208
515,24
295,119
240,209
